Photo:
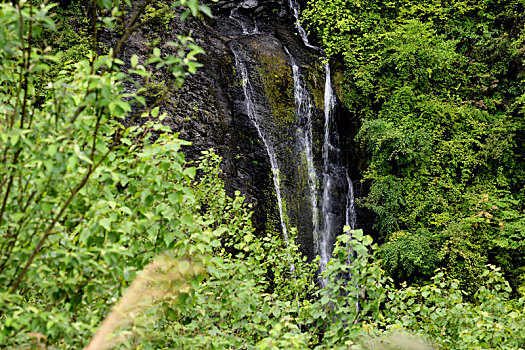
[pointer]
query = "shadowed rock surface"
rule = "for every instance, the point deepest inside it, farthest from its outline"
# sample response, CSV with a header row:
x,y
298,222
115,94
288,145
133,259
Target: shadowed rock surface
x,y
210,108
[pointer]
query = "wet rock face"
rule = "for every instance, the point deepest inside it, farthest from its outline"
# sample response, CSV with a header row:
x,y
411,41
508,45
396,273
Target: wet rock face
x,y
210,108
260,29
261,39
248,4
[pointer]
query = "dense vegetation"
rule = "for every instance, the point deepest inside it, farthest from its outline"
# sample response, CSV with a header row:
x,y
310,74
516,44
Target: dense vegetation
x,y
94,189
439,91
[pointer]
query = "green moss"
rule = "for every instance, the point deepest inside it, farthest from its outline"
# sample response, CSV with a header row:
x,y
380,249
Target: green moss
x,y
154,90
278,84
315,80
339,82
158,15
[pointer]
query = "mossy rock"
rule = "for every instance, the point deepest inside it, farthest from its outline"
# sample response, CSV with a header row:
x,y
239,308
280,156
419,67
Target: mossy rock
x,y
278,84
339,83
315,79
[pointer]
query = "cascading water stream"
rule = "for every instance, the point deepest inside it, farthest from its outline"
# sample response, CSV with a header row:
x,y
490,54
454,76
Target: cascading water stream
x,y
329,173
240,66
333,174
304,111
351,216
329,191
294,6
351,221
234,16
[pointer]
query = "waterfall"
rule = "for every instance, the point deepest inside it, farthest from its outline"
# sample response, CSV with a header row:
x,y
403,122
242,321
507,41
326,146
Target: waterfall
x,y
234,16
327,192
351,216
304,111
330,173
240,66
334,176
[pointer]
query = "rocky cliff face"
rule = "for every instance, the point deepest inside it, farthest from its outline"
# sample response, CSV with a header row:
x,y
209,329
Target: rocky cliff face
x,y
210,109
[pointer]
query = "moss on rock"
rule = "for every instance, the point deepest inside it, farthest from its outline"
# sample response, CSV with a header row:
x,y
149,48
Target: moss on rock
x,y
315,80
339,82
278,84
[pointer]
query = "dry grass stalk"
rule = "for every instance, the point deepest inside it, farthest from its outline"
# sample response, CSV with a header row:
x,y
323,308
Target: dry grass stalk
x,y
162,281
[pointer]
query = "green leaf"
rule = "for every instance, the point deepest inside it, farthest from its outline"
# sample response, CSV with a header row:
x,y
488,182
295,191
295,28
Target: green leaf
x,y
190,172
367,240
155,112
134,61
206,10
183,267
187,219
168,238
106,223
184,15
357,234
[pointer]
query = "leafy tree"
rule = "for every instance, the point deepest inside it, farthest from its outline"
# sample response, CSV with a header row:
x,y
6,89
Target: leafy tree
x,y
87,196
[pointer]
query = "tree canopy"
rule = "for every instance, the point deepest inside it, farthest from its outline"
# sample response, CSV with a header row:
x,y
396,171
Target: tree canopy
x,y
437,88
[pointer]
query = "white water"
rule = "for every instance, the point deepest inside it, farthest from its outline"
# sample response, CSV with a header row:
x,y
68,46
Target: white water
x,y
304,110
351,220
302,33
252,114
234,16
351,216
328,180
332,171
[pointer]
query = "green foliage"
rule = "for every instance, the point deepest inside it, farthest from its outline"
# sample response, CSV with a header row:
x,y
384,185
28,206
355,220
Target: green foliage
x,y
440,311
70,42
86,198
162,285
407,257
340,24
412,55
354,291
360,309
158,15
437,88
284,335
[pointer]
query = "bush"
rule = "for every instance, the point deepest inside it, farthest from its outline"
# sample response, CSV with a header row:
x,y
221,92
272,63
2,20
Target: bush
x,y
86,199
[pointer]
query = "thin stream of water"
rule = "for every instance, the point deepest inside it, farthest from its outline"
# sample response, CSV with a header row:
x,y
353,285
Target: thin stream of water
x,y
240,66
351,216
332,174
304,111
302,33
234,16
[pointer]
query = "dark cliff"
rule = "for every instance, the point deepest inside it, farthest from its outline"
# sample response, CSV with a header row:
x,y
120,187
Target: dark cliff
x,y
210,111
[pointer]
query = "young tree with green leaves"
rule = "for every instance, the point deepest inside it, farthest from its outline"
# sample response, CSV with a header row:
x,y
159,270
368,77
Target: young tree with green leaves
x,y
87,196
